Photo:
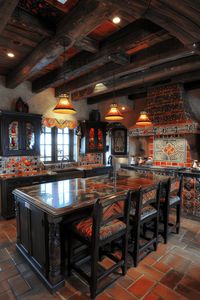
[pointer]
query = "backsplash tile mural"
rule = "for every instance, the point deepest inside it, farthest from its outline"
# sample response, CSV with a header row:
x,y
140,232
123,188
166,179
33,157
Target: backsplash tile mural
x,y
170,149
91,158
13,164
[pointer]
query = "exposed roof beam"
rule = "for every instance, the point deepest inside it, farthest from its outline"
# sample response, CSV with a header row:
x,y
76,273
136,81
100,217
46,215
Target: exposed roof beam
x,y
86,15
175,70
123,40
157,54
6,9
23,19
111,95
88,44
182,21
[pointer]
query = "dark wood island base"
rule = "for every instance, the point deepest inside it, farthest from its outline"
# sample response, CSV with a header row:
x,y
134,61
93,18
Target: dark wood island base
x,y
43,212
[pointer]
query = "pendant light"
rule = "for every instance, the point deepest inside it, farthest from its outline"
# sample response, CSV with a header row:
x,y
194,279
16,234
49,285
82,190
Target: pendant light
x,y
114,113
64,105
143,119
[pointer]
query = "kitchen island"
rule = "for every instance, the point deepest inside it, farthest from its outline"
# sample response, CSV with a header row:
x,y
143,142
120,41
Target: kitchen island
x,y
43,212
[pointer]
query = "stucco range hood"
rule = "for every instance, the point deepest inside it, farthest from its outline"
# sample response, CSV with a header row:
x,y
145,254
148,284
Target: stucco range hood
x,y
169,113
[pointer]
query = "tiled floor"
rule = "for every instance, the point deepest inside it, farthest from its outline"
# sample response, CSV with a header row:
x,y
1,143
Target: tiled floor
x,y
172,272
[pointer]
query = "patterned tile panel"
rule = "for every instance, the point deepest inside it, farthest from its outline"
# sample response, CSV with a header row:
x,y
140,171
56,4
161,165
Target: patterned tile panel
x,y
173,150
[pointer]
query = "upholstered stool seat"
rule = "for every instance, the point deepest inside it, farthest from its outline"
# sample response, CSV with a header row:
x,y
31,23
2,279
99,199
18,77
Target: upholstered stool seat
x,y
109,223
173,198
146,212
84,228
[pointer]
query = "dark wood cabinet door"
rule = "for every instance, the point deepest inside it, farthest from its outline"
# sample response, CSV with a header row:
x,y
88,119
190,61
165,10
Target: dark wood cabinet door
x,y
94,137
11,137
20,134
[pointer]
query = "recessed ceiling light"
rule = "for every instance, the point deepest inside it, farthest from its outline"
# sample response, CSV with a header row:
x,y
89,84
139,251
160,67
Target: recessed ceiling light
x,y
116,20
10,54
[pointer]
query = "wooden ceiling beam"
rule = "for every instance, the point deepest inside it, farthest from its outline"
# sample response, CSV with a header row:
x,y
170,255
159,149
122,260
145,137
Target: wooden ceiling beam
x,y
6,9
175,70
123,40
21,18
111,95
88,44
80,21
182,21
157,54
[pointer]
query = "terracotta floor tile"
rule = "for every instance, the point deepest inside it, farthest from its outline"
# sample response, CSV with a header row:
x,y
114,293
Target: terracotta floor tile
x,y
166,293
18,285
134,273
152,296
8,273
66,291
141,286
187,292
191,283
168,265
119,293
194,271
125,281
8,295
150,271
171,279
104,296
161,267
4,286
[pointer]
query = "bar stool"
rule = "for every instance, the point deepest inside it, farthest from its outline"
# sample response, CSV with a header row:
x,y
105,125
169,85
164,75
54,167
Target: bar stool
x,y
173,199
144,214
110,222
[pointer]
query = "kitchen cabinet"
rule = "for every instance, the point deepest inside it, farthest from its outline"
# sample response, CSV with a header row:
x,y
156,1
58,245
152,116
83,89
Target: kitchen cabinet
x,y
93,137
20,134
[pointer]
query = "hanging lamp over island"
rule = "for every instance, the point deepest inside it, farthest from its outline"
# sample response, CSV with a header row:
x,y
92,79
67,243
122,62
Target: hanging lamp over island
x,y
143,119
114,113
64,105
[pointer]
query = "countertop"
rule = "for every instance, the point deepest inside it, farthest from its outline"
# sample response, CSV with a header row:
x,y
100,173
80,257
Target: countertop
x,y
50,173
62,197
179,170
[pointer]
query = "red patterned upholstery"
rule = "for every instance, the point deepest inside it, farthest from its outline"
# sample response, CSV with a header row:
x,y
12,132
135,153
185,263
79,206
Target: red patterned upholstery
x,y
84,228
149,196
147,211
172,200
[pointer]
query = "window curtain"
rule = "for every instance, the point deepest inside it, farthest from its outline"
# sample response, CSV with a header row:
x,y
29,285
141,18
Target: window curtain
x,y
51,122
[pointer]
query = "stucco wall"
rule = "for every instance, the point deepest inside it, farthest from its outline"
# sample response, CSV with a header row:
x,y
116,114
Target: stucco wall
x,y
41,103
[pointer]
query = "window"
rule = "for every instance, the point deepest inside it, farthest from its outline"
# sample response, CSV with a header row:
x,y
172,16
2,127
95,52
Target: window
x,y
46,144
58,144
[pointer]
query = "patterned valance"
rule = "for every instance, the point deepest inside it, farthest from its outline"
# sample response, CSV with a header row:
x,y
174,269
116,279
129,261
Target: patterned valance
x,y
51,122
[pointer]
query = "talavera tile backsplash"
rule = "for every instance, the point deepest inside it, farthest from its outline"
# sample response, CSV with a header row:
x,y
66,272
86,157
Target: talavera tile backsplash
x,y
13,164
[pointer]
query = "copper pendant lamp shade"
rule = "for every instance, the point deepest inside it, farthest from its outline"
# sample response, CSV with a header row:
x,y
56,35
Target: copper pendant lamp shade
x,y
64,106
143,119
114,113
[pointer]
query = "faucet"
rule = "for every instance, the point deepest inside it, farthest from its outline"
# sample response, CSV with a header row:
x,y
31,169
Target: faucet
x,y
64,158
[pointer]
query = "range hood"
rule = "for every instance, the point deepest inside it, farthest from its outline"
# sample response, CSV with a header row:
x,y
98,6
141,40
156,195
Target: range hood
x,y
168,109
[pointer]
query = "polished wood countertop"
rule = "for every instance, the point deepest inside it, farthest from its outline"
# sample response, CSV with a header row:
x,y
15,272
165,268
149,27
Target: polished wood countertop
x,y
64,196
